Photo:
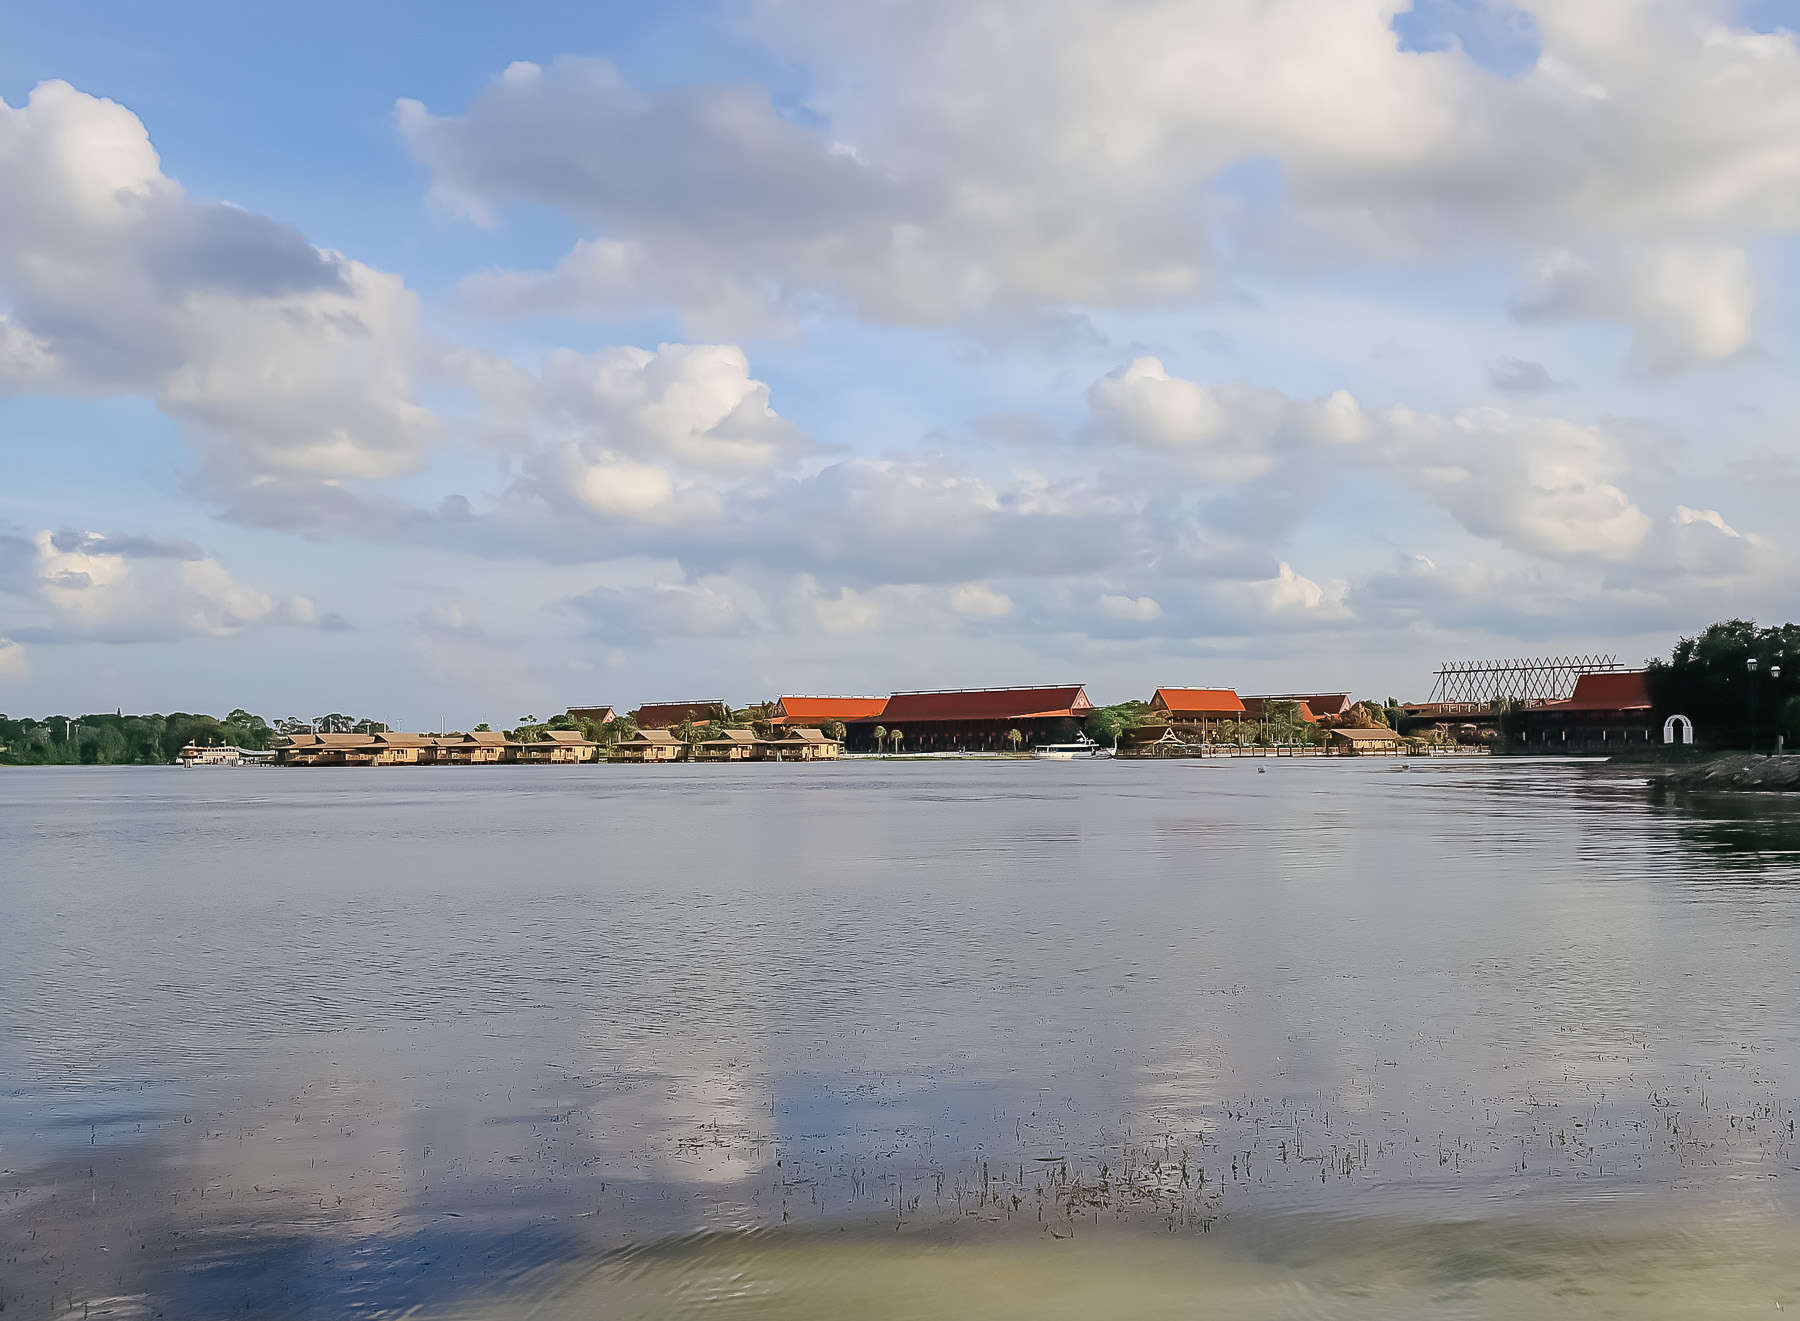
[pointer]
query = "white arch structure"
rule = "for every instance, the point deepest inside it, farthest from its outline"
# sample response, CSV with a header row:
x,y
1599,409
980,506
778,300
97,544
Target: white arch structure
x,y
1674,723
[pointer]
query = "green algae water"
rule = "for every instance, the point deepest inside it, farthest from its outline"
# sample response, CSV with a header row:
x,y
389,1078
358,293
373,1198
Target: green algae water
x,y
1492,1038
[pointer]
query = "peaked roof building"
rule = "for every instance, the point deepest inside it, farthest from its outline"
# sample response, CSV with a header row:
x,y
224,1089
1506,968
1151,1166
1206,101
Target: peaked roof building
x,y
818,710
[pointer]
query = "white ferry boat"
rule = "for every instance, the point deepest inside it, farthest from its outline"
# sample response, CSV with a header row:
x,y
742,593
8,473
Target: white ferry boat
x,y
221,754
1083,747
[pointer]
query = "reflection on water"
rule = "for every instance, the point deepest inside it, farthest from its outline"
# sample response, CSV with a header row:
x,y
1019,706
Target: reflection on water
x,y
1334,1040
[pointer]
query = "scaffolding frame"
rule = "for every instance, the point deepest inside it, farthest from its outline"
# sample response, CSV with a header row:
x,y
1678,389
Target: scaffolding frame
x,y
1531,680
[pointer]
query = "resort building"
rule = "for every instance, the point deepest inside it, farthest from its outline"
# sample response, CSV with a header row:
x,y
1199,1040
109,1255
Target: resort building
x,y
1346,742
816,711
648,745
483,747
1197,713
597,715
1255,708
731,745
1323,709
666,715
326,750
391,749
1604,711
558,745
983,719
800,743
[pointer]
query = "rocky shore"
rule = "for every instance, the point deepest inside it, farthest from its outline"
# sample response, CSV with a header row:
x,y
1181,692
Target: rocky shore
x,y
1735,770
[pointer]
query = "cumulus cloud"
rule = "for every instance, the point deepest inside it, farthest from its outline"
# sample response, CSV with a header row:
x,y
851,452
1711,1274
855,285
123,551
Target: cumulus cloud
x,y
280,358
88,587
979,601
960,161
1130,609
1687,305
1541,485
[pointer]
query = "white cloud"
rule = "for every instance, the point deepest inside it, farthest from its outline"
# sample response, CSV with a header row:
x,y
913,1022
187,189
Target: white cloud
x,y
980,601
1687,305
282,359
14,660
1131,609
961,162
88,591
1540,485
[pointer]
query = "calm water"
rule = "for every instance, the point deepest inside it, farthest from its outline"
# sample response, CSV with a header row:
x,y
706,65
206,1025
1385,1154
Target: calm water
x,y
878,1039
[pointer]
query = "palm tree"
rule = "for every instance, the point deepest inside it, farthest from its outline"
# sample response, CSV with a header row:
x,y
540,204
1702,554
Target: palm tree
x,y
880,736
687,731
894,737
1015,738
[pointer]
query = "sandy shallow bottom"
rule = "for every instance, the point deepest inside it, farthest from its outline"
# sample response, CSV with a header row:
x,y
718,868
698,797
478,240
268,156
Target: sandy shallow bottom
x,y
1744,1265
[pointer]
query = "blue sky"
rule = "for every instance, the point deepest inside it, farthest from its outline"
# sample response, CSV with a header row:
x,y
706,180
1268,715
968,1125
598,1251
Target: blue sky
x,y
469,361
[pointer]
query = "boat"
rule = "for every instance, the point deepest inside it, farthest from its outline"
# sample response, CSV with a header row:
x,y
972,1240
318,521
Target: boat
x,y
222,754
1083,747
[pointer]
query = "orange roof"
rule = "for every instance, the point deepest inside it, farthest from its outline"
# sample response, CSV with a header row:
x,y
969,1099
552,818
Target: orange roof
x,y
817,710
1621,690
1198,701
989,704
1255,706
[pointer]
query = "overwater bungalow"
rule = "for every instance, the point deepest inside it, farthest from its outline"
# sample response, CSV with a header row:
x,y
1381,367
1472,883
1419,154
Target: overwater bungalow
x,y
1345,742
308,749
801,743
731,745
557,745
647,745
394,749
482,747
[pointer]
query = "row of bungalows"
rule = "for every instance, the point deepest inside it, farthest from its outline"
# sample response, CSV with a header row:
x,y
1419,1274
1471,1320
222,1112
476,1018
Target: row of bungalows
x,y
795,743
387,748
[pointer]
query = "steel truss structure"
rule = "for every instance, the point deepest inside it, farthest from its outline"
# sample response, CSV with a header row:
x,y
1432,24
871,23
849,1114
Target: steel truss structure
x,y
1530,679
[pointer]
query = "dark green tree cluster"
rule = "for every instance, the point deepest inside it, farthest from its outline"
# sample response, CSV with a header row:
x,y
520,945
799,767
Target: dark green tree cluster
x,y
115,739
1708,679
1104,724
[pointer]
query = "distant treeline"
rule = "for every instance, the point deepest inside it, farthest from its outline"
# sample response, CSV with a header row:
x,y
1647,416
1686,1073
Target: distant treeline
x,y
115,739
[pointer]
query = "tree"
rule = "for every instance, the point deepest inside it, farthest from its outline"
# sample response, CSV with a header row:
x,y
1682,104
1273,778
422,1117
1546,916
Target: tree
x,y
834,729
1015,738
686,730
880,736
894,736
482,728
1708,679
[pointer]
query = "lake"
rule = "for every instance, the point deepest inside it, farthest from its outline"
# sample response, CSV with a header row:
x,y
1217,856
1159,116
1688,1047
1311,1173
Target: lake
x,y
1249,1039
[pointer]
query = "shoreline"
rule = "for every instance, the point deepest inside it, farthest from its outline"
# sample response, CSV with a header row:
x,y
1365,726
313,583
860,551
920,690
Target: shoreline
x,y
1736,772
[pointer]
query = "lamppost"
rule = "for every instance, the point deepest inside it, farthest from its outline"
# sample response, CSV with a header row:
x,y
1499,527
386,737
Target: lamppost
x,y
1775,678
1750,665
